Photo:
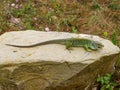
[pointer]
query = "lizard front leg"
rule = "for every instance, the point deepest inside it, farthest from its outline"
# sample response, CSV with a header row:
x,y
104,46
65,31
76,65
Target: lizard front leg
x,y
87,49
68,45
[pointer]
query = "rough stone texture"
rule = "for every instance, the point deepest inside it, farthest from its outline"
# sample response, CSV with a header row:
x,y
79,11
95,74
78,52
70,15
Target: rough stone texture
x,y
37,76
52,67
86,77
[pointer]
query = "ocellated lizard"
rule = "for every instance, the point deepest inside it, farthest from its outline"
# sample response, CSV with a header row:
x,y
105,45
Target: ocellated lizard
x,y
87,44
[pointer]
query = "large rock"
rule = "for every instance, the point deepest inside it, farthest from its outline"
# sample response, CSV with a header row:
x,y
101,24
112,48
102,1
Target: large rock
x,y
52,67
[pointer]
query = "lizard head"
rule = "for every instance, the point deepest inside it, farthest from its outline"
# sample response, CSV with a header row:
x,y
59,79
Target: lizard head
x,y
94,45
98,44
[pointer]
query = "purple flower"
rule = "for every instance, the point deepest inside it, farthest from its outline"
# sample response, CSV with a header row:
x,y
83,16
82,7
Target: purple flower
x,y
4,1
21,5
35,18
17,6
16,0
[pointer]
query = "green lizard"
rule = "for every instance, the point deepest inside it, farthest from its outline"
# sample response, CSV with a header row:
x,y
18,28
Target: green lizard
x,y
87,44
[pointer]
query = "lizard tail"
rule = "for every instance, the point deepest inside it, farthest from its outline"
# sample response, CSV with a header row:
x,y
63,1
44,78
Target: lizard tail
x,y
58,41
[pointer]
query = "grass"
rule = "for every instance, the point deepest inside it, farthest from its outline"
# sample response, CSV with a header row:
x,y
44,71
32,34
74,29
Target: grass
x,y
77,16
106,82
99,17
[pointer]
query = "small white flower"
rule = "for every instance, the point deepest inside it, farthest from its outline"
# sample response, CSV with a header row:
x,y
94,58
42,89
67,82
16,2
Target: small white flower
x,y
12,4
47,29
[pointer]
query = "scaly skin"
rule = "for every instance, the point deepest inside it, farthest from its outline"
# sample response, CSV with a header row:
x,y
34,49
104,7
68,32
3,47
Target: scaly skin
x,y
87,44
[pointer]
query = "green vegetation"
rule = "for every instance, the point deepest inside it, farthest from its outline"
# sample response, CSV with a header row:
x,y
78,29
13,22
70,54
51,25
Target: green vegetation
x,y
115,36
99,17
95,5
114,5
106,83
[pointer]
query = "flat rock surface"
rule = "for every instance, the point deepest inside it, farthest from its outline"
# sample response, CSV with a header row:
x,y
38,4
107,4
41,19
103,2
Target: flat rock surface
x,y
50,52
